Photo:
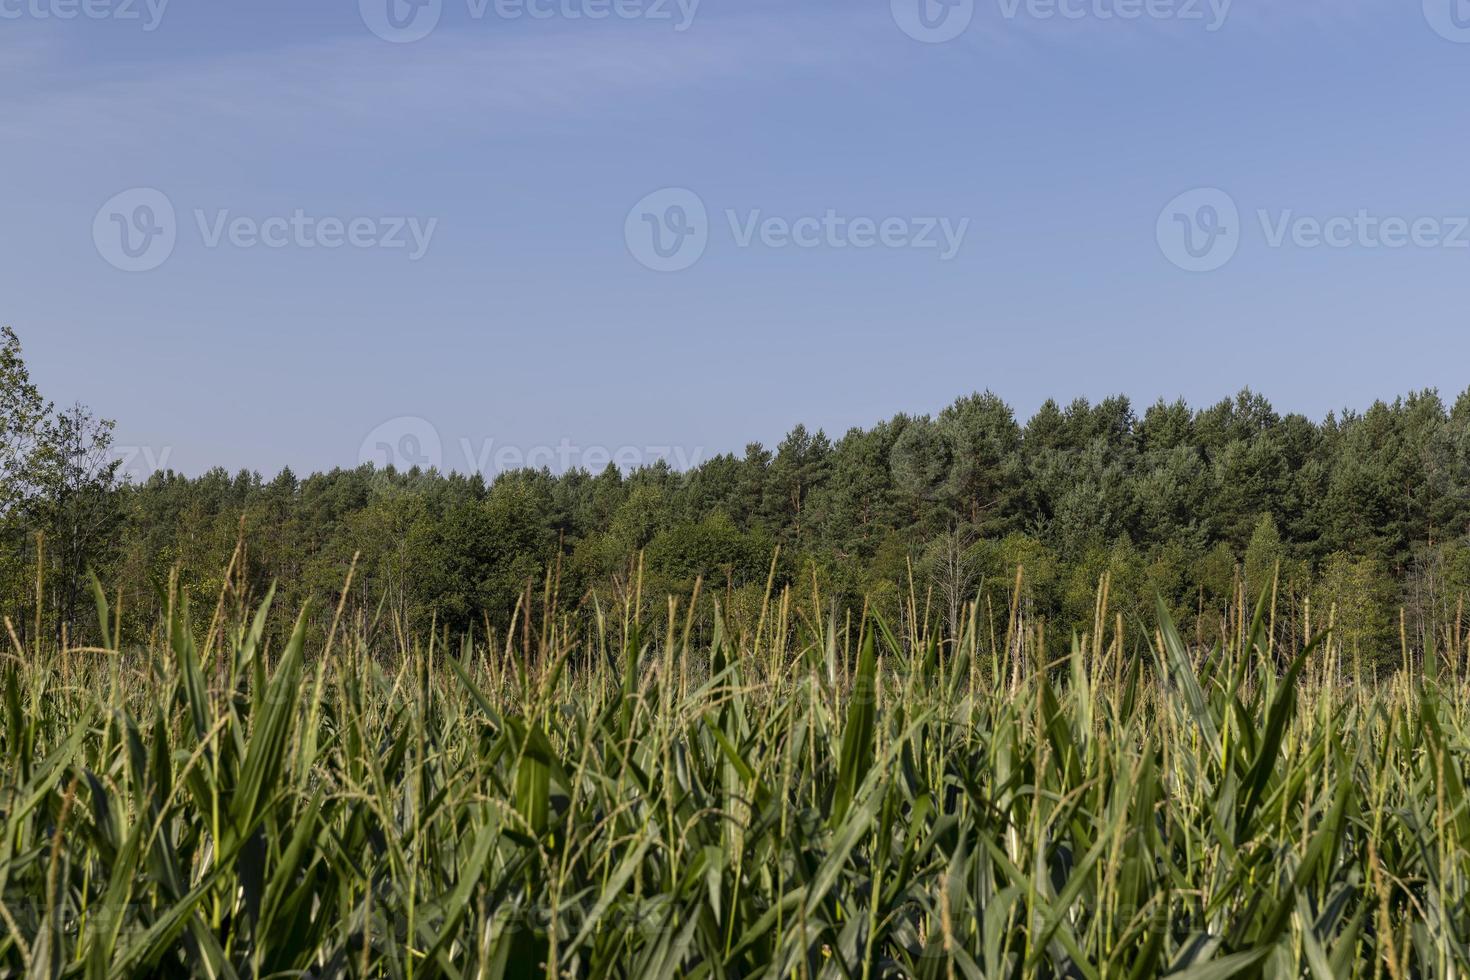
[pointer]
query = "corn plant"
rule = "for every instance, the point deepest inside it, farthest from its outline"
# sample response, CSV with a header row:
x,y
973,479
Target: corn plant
x,y
802,800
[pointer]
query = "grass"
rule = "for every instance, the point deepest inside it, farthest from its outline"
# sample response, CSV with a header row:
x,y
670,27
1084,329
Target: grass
x,y
799,799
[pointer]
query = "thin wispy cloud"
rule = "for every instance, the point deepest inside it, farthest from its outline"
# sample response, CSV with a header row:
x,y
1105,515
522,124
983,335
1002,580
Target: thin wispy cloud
x,y
1023,27
469,72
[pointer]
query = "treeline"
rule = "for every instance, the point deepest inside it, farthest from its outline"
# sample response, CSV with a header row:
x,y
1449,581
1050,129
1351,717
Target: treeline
x,y
1358,517
60,504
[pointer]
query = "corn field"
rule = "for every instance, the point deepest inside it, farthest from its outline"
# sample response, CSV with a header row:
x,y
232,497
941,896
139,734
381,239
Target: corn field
x,y
807,798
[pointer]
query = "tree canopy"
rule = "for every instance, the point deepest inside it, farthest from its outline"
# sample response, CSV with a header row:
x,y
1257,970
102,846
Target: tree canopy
x,y
1192,504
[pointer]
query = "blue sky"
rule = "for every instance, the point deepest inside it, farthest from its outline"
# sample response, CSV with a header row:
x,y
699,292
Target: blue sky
x,y
1066,156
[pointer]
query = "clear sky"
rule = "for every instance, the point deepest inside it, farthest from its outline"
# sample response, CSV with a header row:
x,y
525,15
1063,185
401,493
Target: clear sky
x,y
255,233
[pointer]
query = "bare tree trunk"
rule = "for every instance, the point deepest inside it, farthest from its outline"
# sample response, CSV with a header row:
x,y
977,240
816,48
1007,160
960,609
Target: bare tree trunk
x,y
954,576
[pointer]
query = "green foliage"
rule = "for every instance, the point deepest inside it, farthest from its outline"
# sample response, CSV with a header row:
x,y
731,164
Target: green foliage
x,y
713,549
1198,506
1356,597
796,803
